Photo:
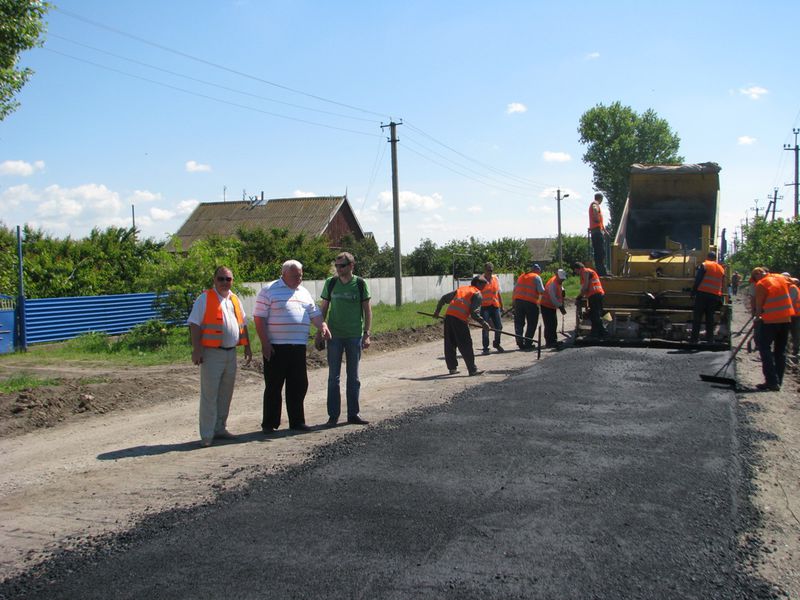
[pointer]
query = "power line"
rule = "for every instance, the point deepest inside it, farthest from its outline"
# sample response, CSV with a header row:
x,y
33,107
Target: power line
x,y
207,97
203,81
213,64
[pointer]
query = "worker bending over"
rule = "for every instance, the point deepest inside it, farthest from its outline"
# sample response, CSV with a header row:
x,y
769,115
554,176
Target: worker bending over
x,y
553,300
592,290
464,302
707,294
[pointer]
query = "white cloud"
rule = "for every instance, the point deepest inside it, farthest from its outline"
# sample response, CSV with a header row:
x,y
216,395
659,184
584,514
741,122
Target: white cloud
x,y
195,167
541,209
187,206
516,107
140,196
410,202
61,202
754,92
556,156
593,56
20,168
745,140
550,194
302,194
474,209
15,196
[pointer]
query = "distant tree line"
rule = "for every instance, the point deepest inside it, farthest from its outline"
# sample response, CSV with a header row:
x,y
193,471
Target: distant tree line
x,y
771,244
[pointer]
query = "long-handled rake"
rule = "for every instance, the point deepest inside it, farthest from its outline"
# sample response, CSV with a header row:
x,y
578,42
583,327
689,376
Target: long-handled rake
x,y
471,324
717,377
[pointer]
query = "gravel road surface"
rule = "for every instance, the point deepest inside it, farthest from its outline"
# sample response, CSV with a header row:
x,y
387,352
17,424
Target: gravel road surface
x,y
598,473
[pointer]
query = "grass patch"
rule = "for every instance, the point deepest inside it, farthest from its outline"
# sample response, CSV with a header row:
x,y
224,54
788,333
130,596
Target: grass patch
x,y
24,381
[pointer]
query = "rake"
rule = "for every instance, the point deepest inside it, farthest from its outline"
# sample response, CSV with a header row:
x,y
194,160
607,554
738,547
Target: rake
x,y
718,377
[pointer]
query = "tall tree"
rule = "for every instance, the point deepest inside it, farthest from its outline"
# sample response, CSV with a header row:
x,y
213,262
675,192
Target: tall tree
x,y
21,28
618,137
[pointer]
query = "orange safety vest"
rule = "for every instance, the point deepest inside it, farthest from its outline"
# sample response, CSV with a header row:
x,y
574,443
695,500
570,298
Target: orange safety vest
x,y
490,294
794,294
554,281
594,286
459,306
777,307
712,279
526,288
595,217
211,335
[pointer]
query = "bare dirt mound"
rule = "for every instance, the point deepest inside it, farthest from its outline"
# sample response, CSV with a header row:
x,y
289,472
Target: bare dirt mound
x,y
83,389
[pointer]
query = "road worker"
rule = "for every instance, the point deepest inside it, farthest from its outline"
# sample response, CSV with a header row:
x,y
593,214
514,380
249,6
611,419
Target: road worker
x,y
597,231
592,290
794,330
773,309
552,300
491,307
707,294
525,298
462,303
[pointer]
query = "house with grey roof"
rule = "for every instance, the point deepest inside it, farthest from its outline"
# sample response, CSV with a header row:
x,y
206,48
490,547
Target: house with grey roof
x,y
329,216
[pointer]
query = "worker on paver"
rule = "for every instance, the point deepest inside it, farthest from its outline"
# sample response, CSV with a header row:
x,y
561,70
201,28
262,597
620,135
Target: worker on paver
x,y
707,294
491,307
597,231
464,302
592,290
774,310
551,301
525,299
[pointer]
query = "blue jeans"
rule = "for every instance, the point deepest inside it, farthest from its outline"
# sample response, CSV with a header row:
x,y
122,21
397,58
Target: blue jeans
x,y
491,314
351,348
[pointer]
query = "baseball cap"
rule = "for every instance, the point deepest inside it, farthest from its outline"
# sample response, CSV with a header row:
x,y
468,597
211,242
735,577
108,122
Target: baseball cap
x,y
562,275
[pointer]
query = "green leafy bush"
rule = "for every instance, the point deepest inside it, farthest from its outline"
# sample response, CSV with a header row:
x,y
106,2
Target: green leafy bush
x,y
151,335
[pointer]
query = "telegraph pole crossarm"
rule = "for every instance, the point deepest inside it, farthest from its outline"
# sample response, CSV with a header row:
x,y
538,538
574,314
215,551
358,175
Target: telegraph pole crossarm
x,y
796,184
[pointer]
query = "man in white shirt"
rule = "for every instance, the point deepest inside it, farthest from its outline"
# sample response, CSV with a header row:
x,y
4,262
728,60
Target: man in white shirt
x,y
218,325
283,314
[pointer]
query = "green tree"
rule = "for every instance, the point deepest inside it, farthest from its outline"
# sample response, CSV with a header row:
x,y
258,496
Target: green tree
x,y
263,252
8,261
428,259
771,244
21,28
618,137
508,255
365,251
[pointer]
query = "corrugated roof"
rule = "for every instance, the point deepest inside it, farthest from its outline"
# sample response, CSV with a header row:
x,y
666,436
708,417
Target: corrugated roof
x,y
298,215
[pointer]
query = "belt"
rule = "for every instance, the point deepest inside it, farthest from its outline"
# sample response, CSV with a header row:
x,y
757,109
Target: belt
x,y
230,348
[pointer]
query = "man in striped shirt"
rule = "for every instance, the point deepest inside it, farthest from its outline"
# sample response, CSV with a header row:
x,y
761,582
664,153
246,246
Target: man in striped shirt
x,y
283,313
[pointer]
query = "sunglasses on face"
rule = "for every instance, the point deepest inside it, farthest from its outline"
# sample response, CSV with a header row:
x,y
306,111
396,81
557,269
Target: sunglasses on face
x,y
342,265
224,278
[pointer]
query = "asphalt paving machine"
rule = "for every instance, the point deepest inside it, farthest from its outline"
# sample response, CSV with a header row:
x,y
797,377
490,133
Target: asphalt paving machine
x,y
669,224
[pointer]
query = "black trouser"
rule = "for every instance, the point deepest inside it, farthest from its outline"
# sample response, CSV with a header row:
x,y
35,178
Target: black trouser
x,y
525,313
772,348
795,331
704,306
599,249
457,335
550,320
596,315
287,365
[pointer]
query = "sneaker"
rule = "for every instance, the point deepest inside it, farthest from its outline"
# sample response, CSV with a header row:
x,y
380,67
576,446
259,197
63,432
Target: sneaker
x,y
205,443
357,421
499,348
475,372
454,371
224,435
485,351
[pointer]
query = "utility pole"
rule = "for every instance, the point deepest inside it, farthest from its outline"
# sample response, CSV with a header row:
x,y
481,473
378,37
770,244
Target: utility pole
x,y
559,198
796,184
133,220
398,274
774,203
756,201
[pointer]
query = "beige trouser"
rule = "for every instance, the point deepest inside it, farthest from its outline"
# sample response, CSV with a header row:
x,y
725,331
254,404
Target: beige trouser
x,y
217,376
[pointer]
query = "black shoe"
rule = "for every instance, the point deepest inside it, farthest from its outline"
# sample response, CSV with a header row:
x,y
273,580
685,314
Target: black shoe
x,y
332,422
300,427
268,430
475,372
356,421
499,348
485,351
765,387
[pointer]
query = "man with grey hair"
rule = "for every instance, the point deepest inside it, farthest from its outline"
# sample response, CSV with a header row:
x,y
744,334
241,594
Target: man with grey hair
x,y
284,312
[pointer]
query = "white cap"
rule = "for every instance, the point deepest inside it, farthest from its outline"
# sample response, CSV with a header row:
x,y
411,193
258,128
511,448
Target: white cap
x,y
784,274
562,275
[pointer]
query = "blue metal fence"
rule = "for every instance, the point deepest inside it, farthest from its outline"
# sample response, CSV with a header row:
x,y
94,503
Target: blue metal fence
x,y
56,319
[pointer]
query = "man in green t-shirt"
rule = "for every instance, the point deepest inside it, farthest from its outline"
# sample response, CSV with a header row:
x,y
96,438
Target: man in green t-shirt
x,y
345,307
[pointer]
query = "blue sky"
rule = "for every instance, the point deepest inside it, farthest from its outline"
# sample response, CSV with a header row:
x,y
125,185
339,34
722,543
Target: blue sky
x,y
165,104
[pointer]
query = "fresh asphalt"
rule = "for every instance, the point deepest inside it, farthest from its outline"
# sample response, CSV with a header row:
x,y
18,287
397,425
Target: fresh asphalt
x,y
600,473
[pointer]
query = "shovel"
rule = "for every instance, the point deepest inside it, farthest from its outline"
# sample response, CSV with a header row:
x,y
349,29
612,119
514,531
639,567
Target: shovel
x,y
500,331
717,377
